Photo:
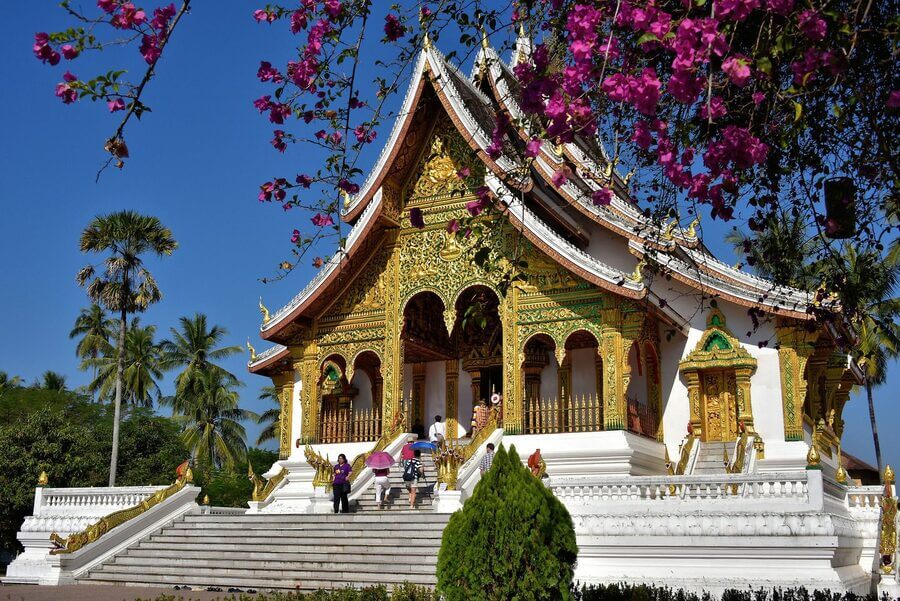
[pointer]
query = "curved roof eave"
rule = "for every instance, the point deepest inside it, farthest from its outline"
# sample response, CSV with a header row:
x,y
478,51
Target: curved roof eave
x,y
268,358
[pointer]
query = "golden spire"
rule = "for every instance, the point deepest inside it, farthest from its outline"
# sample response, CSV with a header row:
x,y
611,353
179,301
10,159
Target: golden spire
x,y
888,474
346,198
692,227
43,480
206,499
485,42
426,40
251,349
265,312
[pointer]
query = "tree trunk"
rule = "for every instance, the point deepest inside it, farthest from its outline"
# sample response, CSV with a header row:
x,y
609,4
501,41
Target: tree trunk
x,y
120,376
874,427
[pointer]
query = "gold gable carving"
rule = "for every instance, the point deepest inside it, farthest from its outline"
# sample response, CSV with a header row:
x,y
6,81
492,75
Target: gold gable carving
x,y
446,155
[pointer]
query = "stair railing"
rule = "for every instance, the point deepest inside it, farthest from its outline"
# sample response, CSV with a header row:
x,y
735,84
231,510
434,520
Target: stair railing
x,y
466,472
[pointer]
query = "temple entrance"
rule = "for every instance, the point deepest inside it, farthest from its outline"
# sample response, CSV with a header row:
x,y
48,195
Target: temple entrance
x,y
491,381
719,406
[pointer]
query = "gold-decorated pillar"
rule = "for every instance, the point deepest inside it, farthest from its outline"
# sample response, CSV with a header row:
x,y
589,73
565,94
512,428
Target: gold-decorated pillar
x,y
564,390
692,378
513,403
284,389
392,366
451,400
614,410
305,363
796,346
744,405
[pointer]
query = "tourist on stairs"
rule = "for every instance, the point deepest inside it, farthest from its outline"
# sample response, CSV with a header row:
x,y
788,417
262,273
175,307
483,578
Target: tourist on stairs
x,y
406,453
341,484
488,458
382,485
411,473
438,431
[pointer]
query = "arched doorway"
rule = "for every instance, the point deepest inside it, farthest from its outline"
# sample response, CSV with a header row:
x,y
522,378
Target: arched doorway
x,y
426,349
477,338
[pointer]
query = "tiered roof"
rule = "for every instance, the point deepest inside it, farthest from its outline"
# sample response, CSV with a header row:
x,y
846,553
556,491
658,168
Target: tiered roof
x,y
557,231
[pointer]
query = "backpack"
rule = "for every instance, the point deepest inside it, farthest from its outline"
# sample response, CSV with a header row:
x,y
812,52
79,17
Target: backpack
x,y
410,471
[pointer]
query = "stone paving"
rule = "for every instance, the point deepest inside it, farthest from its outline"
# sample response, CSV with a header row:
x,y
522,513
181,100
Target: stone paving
x,y
86,592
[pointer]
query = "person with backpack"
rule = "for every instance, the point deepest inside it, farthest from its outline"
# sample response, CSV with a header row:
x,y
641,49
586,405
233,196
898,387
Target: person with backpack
x,y
406,453
412,471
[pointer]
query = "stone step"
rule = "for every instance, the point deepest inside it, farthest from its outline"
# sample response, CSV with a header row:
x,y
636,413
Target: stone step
x,y
313,539
368,553
290,520
337,529
336,563
347,576
373,523
201,582
428,546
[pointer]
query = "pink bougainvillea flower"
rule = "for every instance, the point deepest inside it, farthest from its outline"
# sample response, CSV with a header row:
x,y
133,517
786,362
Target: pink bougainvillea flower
x,y
453,226
714,109
262,103
812,25
560,177
533,148
641,135
894,100
261,15
279,112
43,50
416,219
475,207
69,77
758,97
322,220
735,10
304,180
295,237
364,135
737,68
602,198
298,21
68,51
116,105
278,141
267,72
393,29
781,7
348,186
464,173
107,5
684,86
150,48
66,93
333,8
161,17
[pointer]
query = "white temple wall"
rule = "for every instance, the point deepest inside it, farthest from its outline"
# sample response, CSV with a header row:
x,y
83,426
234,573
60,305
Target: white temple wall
x,y
609,248
584,372
465,403
549,384
363,398
676,408
296,418
435,391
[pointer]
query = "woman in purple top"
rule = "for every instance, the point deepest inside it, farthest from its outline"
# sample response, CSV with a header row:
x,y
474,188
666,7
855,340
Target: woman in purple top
x,y
341,484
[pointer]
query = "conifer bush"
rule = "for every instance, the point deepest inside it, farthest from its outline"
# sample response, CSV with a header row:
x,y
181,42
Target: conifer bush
x,y
511,540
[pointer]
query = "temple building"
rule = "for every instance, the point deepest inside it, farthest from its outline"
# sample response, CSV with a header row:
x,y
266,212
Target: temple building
x,y
688,414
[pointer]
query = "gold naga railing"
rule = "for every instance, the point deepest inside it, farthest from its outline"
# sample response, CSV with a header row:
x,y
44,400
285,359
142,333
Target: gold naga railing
x,y
347,425
325,469
77,540
449,457
887,548
575,414
262,490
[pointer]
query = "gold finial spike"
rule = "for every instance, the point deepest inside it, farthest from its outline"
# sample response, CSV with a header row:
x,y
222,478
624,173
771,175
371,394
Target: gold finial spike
x,y
668,231
692,227
888,474
812,457
346,198
252,350
206,499
43,479
485,42
265,312
638,274
841,475
188,475
426,40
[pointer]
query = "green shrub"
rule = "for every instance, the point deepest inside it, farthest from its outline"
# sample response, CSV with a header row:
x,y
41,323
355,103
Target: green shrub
x,y
512,540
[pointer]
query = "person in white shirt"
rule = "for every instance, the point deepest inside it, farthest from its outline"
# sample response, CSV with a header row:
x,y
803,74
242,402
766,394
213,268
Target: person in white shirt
x,y
438,431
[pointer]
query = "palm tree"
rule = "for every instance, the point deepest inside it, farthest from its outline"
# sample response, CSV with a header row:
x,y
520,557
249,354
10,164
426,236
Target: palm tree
x,y
142,368
124,285
870,280
271,417
8,382
95,329
211,420
52,380
194,348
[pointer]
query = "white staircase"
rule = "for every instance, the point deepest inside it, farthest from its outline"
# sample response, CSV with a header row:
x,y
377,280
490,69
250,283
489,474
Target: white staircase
x,y
283,551
398,498
710,457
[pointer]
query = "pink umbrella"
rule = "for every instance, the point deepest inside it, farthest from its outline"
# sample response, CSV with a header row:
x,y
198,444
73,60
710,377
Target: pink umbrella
x,y
380,460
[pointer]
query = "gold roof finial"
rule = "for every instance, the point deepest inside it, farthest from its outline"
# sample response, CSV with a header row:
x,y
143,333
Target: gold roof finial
x,y
346,198
841,474
812,457
485,42
692,227
43,480
888,474
265,312
638,274
669,229
251,349
206,499
426,40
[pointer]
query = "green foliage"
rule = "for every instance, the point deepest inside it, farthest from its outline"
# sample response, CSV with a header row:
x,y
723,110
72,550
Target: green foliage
x,y
641,592
232,488
141,370
512,540
69,438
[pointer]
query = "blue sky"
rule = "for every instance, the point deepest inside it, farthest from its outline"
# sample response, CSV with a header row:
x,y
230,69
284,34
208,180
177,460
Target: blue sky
x,y
197,161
